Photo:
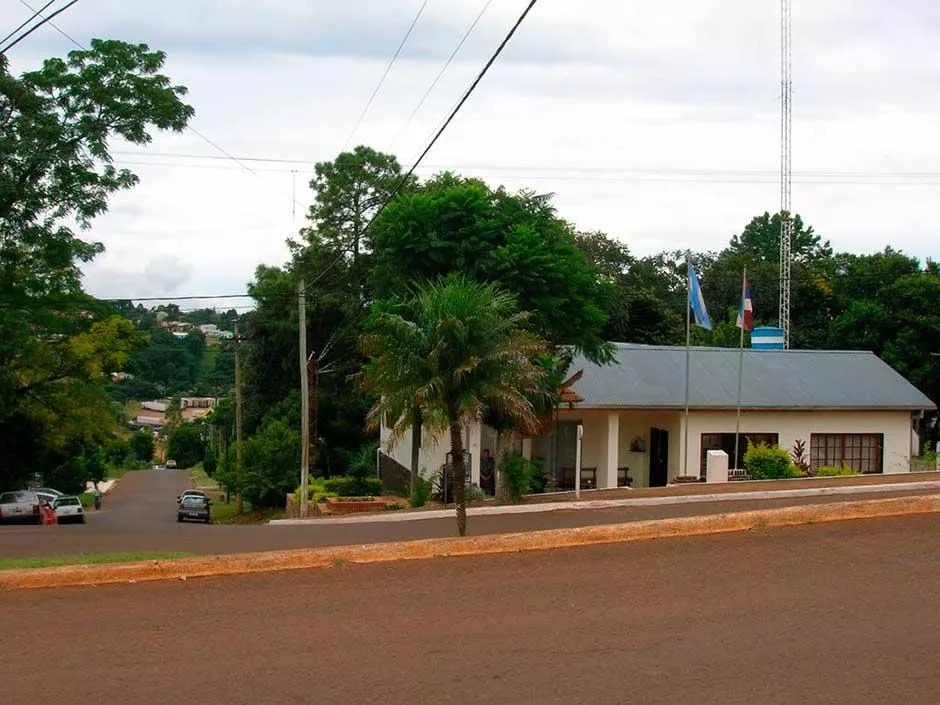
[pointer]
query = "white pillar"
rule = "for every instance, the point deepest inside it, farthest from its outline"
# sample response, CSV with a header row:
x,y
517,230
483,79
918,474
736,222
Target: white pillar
x,y
607,474
475,440
527,448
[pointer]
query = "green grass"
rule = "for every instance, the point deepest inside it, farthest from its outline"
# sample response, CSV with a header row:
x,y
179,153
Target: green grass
x,y
86,559
201,480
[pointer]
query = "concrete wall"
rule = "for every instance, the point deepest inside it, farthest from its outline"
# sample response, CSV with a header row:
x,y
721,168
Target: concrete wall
x,y
433,451
793,425
789,425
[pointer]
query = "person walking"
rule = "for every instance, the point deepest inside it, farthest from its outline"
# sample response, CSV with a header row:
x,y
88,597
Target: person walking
x,y
97,495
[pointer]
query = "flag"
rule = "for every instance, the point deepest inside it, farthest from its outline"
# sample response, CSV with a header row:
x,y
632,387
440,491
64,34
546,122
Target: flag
x,y
697,301
746,312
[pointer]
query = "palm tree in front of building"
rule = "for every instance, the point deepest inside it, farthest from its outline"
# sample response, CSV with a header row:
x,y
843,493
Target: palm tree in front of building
x,y
452,352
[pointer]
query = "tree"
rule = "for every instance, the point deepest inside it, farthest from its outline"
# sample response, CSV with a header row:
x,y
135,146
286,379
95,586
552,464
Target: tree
x,y
186,445
142,445
761,239
460,226
641,308
454,350
347,193
56,174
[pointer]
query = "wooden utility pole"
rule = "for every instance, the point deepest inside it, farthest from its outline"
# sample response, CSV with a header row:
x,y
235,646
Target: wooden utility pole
x,y
304,399
313,406
240,507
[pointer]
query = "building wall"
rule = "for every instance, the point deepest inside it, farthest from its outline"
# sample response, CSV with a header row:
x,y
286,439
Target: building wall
x,y
789,425
795,425
433,452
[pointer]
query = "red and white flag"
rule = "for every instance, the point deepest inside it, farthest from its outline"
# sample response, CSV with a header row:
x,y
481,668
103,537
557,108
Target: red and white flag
x,y
746,312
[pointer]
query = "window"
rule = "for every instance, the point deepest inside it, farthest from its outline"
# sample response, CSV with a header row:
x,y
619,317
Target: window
x,y
725,442
863,452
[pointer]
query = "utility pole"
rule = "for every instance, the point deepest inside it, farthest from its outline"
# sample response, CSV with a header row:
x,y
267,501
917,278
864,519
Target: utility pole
x,y
304,398
240,507
786,178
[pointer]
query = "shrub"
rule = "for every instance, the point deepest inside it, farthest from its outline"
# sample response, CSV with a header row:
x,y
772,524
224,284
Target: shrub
x,y
764,462
832,471
345,486
798,454
518,475
421,493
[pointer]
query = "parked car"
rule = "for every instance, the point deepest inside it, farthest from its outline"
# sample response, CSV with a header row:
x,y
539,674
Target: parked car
x,y
48,495
191,493
20,506
171,465
69,509
193,507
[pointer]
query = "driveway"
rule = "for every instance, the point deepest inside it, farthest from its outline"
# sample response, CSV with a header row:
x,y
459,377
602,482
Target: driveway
x,y
839,613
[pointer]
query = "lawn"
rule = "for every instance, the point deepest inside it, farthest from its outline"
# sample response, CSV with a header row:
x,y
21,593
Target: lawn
x,y
225,512
86,559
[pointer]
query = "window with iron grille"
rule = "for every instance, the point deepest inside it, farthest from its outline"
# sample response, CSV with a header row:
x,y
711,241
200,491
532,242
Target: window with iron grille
x,y
863,452
725,442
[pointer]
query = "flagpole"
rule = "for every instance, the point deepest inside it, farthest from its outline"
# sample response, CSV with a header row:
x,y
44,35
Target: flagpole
x,y
688,359
737,428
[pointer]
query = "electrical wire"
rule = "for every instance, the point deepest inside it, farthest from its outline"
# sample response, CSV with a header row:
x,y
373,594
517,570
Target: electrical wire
x,y
226,154
45,19
388,68
25,22
405,177
52,24
441,72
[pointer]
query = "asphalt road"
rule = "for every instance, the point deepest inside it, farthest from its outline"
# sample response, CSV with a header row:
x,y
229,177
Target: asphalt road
x,y
833,613
139,514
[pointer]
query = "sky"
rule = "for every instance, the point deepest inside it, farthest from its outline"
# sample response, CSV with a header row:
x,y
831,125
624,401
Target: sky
x,y
655,122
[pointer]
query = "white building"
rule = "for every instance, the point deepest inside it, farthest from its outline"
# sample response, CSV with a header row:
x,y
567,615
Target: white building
x,y
847,407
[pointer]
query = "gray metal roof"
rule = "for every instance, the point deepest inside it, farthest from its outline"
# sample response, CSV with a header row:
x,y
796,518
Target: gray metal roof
x,y
649,376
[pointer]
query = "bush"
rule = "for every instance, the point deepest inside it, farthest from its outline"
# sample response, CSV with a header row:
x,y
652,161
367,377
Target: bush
x,y
186,446
765,462
832,471
346,486
210,463
421,493
519,475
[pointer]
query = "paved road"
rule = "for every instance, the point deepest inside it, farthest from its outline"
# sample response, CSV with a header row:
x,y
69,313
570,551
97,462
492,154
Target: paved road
x,y
139,515
832,613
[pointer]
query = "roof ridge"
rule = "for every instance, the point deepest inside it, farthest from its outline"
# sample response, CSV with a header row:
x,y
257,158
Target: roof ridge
x,y
813,351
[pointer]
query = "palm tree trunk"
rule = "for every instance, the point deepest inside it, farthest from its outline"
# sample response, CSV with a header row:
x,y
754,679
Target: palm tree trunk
x,y
460,476
504,440
415,450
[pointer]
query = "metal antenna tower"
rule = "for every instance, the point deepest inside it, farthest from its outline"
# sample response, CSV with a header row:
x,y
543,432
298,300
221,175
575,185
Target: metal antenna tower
x,y
786,179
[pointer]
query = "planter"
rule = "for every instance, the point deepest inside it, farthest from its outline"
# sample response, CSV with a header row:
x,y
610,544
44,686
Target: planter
x,y
354,505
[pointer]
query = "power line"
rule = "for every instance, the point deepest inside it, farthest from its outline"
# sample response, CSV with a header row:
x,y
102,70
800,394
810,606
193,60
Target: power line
x,y
37,26
204,138
405,177
441,72
26,21
388,68
51,24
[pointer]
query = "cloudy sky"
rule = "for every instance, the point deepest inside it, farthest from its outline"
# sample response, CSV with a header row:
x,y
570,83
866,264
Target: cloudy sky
x,y
656,121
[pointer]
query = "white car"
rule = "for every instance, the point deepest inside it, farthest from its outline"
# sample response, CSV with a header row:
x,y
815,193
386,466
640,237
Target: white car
x,y
69,509
47,495
21,505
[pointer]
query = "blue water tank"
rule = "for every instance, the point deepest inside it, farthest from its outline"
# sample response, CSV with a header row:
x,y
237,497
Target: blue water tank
x,y
767,338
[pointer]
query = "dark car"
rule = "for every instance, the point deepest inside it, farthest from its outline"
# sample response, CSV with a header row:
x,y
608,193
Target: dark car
x,y
193,508
191,493
20,505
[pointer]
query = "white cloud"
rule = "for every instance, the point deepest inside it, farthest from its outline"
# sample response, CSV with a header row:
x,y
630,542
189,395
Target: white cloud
x,y
633,114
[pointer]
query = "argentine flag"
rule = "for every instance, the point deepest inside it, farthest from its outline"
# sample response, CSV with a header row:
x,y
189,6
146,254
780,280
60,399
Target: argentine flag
x,y
697,301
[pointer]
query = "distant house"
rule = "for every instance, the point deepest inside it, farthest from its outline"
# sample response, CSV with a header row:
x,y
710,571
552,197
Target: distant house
x,y
848,407
226,335
121,376
209,329
160,405
180,335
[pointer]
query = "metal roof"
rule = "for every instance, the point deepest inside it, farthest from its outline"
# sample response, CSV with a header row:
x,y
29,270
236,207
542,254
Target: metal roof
x,y
650,376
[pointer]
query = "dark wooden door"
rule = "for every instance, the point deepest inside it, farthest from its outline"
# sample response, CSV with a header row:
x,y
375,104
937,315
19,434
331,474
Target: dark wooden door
x,y
659,457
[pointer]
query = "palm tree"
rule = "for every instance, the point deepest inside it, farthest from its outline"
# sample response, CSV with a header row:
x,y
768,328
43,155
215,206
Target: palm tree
x,y
453,352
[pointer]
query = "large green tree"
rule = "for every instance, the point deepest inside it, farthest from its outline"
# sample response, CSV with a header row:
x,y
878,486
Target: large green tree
x,y
453,225
453,351
56,174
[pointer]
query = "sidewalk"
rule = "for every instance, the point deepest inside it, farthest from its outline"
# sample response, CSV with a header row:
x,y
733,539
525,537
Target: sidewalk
x,y
851,487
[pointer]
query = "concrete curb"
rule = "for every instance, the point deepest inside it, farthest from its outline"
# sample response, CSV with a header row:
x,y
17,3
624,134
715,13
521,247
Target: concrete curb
x,y
269,561
576,505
